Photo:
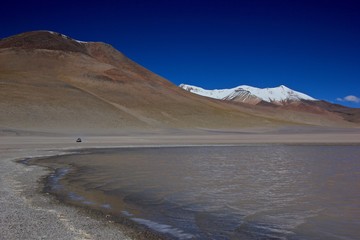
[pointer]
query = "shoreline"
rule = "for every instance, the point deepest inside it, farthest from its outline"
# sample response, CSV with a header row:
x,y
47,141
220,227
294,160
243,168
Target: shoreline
x,y
26,211
30,213
128,227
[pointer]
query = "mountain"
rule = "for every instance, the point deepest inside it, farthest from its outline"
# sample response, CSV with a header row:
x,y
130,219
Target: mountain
x,y
53,83
279,95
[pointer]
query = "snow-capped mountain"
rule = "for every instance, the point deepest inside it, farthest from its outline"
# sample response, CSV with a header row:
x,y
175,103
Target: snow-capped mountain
x,y
277,95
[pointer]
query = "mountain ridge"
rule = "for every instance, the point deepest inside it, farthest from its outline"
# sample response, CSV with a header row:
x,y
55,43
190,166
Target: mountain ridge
x,y
248,94
289,99
43,39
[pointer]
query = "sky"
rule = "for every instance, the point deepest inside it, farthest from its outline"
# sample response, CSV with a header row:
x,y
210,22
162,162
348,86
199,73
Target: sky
x,y
309,46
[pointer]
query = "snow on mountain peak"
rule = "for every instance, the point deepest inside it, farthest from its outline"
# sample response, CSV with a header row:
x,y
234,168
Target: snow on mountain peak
x,y
246,93
65,37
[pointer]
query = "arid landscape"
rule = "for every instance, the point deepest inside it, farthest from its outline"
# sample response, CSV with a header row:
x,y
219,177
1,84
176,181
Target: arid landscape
x,y
50,82
54,89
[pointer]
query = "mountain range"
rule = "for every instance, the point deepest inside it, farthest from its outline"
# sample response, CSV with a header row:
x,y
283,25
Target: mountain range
x,y
279,95
51,82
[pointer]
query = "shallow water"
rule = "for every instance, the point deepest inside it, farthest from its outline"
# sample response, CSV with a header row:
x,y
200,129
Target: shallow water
x,y
238,192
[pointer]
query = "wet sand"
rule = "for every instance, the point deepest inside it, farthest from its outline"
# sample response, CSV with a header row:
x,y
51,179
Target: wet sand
x,y
26,212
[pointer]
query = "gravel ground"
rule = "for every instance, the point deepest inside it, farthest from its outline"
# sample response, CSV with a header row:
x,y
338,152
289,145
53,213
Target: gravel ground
x,y
26,213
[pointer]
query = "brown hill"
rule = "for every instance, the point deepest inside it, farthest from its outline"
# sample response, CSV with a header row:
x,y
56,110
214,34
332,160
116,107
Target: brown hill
x,y
349,114
320,107
51,82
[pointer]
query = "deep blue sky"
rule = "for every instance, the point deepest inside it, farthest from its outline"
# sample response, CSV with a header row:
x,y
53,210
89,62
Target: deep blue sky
x,y
310,46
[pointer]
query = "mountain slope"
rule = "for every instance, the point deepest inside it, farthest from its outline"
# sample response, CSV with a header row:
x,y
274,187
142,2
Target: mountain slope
x,y
51,82
278,95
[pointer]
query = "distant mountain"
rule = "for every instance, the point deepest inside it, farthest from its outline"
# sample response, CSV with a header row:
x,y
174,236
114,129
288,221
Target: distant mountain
x,y
281,96
278,95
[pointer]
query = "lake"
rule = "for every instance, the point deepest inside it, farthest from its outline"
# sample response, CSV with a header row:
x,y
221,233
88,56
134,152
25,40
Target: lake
x,y
219,192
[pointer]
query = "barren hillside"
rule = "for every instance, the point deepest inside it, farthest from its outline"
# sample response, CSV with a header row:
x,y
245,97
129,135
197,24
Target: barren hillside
x,y
51,82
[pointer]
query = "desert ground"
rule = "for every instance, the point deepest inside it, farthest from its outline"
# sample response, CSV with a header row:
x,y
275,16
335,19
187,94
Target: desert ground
x,y
27,212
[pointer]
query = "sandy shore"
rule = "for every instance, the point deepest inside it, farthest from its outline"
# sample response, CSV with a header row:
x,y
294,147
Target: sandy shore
x,y
26,213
